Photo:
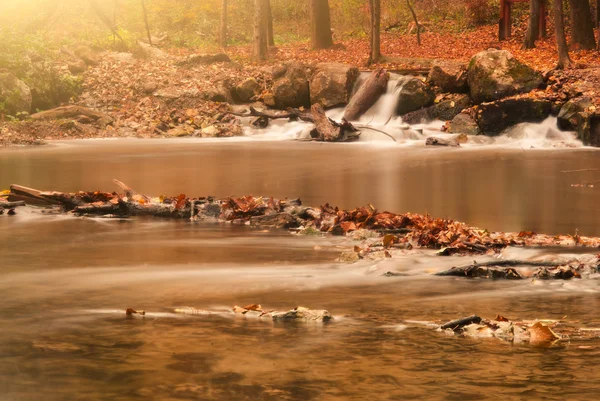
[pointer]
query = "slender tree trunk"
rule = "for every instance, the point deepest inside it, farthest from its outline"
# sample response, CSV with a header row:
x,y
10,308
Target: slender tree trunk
x,y
533,29
259,51
582,26
106,20
223,30
146,22
414,15
270,37
564,61
598,22
320,24
115,21
375,31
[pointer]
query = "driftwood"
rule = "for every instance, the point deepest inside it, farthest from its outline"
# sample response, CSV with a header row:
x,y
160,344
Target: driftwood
x,y
72,111
11,205
330,131
367,94
460,323
434,141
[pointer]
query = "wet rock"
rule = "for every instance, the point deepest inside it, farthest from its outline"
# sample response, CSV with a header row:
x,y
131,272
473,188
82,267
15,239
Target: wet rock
x,y
450,76
181,131
210,132
291,87
303,314
413,95
277,220
435,141
331,84
494,117
247,90
15,95
495,74
588,128
445,109
568,117
464,124
478,271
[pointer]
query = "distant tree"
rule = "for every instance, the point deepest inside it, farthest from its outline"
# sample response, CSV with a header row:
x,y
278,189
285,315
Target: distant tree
x,y
223,28
259,50
533,29
146,22
564,61
582,26
270,37
414,15
375,54
320,24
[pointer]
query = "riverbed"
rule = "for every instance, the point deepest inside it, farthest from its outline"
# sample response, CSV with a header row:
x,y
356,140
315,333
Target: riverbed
x,y
66,281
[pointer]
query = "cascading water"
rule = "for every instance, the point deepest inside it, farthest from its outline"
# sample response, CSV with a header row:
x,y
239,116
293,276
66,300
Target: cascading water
x,y
381,124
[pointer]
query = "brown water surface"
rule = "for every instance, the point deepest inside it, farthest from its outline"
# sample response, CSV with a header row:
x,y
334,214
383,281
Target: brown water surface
x,y
65,282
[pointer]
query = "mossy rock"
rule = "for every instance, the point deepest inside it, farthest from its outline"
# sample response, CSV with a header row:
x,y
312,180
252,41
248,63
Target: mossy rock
x,y
494,117
15,95
413,95
496,74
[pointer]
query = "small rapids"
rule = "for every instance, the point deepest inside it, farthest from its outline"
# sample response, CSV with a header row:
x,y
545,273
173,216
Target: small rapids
x,y
380,125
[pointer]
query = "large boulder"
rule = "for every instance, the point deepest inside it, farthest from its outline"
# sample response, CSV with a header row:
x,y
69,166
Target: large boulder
x,y
331,84
449,75
413,94
494,117
463,123
290,86
146,52
247,90
495,74
588,128
15,95
86,54
568,117
445,108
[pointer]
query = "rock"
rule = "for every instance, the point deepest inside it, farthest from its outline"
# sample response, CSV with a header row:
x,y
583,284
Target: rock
x,y
568,115
303,314
204,59
77,66
146,52
149,87
450,76
331,84
86,54
435,141
51,88
445,109
180,131
276,220
219,94
413,95
292,88
210,132
588,128
495,74
464,124
15,95
247,90
495,117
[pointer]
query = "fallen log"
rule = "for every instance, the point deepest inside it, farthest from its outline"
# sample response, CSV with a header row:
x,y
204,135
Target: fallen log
x,y
72,111
460,323
330,131
291,114
367,94
11,205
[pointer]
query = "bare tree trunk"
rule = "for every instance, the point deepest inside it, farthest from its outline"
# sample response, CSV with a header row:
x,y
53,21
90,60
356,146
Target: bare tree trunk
x,y
375,31
598,22
414,15
582,26
146,22
223,30
270,37
105,19
564,61
115,21
533,28
320,24
259,51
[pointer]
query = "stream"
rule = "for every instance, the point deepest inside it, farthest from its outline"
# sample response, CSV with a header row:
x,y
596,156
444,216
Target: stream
x,y
65,282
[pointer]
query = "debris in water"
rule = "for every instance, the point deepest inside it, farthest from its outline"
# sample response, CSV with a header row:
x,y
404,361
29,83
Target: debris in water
x,y
131,311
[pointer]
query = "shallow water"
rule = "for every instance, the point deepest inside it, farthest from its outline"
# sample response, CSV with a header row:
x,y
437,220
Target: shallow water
x,y
65,282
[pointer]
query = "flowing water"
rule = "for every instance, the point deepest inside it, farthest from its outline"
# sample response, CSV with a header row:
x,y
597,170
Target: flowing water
x,y
66,282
